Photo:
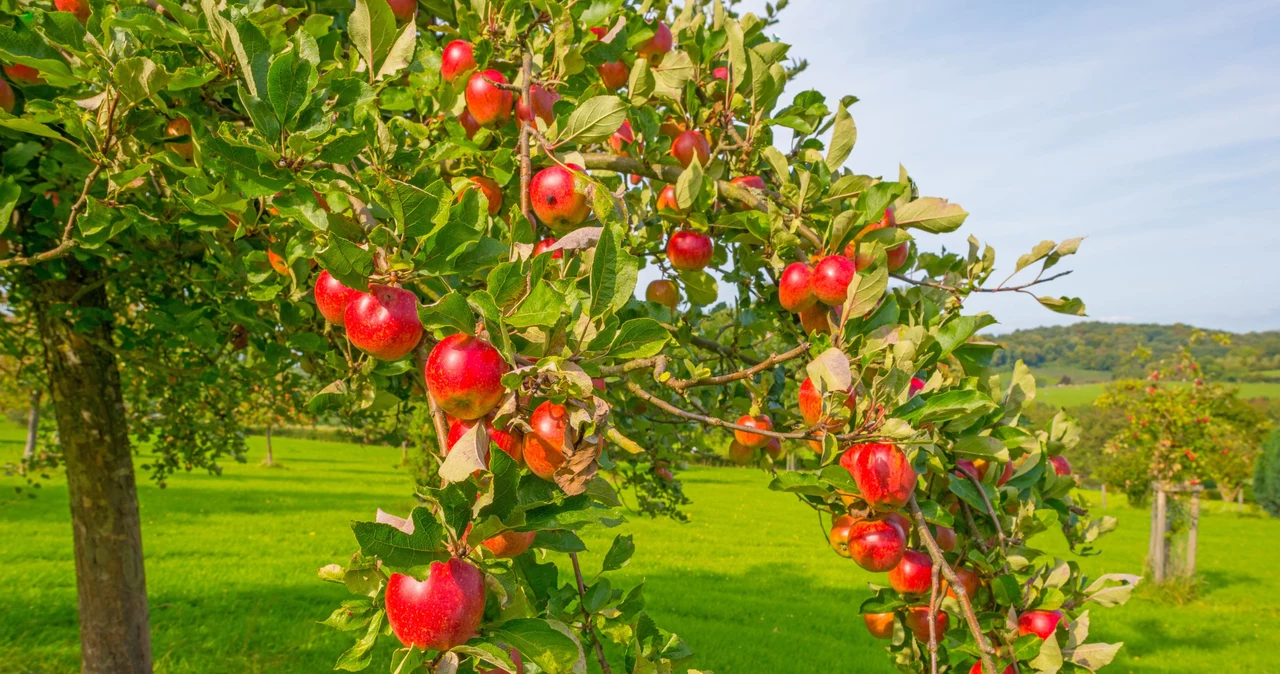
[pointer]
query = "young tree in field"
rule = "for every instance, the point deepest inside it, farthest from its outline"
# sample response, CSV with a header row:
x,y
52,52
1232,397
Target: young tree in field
x,y
447,205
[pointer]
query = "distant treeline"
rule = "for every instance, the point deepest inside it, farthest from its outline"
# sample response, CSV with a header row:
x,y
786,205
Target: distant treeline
x,y
1111,347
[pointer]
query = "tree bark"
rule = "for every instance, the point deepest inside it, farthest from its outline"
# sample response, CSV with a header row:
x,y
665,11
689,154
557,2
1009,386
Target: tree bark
x,y
88,405
270,459
33,426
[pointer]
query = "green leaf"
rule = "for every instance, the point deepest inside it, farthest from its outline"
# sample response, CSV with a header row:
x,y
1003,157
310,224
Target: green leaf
x,y
1038,253
931,214
671,76
253,51
689,185
372,30
138,78
700,287
358,656
594,120
401,550
346,262
543,306
1072,306
870,288
289,85
982,447
843,136
537,640
1094,656
958,330
619,554
400,55
968,491
613,274
9,193
28,126
641,82
639,338
484,305
1049,660
951,405
799,483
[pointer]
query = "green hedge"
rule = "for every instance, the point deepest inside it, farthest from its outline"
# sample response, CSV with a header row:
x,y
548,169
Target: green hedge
x,y
1266,479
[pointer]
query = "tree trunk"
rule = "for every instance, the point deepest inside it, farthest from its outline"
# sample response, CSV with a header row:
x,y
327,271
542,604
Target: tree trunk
x,y
33,426
270,459
88,405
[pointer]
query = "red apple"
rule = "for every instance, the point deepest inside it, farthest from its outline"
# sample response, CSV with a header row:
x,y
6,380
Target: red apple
x,y
896,518
839,536
510,544
877,544
441,612
542,247
543,101
667,200
918,622
753,182
913,574
663,292
688,144
457,59
488,104
977,669
614,74
816,319
464,376
811,404
506,441
1060,465
740,453
1005,475
945,537
753,440
7,98
556,199
544,446
177,127
967,467
622,137
916,386
492,192
384,322
774,448
831,279
21,74
969,582
403,9
880,625
469,123
883,474
78,7
795,287
688,250
1040,623
720,73
656,46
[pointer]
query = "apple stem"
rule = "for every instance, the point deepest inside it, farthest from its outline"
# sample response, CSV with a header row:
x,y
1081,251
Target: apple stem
x,y
984,649
586,616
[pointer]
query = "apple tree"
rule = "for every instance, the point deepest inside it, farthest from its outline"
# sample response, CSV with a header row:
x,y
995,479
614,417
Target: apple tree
x,y
447,206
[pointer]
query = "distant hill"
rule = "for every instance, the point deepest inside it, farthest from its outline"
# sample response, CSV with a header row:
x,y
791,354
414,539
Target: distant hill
x,y
1093,352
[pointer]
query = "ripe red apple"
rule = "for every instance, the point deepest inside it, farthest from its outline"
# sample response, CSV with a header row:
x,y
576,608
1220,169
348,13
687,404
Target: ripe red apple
x,y
897,256
918,622
880,625
896,518
614,74
816,319
967,467
811,404
740,453
1040,623
441,612
488,104
774,448
543,101
977,669
622,137
78,7
507,442
688,144
556,199
492,192
969,582
663,292
667,200
839,536
656,46
510,544
945,537
720,73
913,574
753,182
457,59
384,322
542,247
1005,475
688,250
1060,465
883,474
469,123
179,126
916,386
7,98
544,447
403,9
877,544
753,440
464,375
22,74
795,287
831,279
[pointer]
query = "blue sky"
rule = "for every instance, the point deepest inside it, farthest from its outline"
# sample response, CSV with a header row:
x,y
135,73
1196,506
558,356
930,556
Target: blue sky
x,y
1152,128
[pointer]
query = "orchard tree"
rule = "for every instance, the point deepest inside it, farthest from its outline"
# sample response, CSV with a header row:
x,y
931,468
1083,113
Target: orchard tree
x,y
447,206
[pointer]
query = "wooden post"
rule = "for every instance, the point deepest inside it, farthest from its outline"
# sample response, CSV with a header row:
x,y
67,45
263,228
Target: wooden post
x,y
1190,568
1240,499
1104,495
1151,544
1158,539
271,460
791,461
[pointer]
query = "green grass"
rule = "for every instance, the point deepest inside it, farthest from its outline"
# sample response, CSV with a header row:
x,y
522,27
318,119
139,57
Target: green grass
x,y
1072,396
1049,374
749,582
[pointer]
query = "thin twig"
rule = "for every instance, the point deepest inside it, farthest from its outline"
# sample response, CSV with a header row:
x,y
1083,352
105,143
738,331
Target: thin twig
x,y
586,616
991,511
714,421
958,289
66,243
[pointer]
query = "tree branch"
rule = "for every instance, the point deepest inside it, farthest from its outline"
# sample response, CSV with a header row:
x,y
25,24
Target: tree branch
x,y
775,359
65,243
586,616
935,553
526,77
713,421
959,290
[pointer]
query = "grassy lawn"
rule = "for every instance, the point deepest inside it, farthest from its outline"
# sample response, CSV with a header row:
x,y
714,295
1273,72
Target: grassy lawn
x,y
1072,396
749,583
1049,374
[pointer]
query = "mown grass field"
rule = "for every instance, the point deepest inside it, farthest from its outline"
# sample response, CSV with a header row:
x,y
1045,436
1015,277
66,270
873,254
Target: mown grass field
x,y
1084,394
749,582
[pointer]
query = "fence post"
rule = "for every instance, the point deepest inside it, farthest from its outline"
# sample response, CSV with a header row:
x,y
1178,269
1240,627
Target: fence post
x,y
1191,534
1151,544
1104,495
1160,529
